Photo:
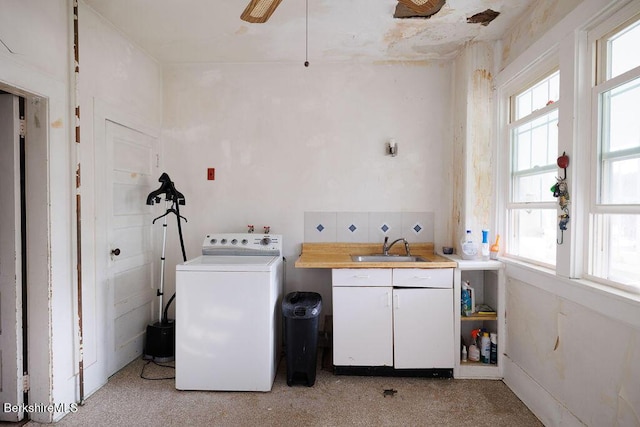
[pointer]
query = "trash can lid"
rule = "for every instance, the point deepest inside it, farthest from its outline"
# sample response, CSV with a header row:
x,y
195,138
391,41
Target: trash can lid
x,y
302,305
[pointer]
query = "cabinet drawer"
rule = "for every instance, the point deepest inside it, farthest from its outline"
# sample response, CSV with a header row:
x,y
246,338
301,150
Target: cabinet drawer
x,y
423,277
361,277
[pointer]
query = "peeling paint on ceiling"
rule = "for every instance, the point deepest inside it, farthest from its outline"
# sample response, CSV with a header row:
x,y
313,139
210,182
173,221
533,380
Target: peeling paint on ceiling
x,y
355,30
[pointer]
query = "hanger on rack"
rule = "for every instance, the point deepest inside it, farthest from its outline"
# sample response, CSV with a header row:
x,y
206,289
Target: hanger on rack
x,y
170,210
168,189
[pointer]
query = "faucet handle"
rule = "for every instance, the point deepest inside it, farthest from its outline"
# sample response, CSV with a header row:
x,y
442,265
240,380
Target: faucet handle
x,y
406,247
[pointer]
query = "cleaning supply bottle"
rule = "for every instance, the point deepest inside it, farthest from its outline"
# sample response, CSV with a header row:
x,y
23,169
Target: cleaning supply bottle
x,y
464,353
493,357
474,353
465,300
485,245
495,248
485,348
469,249
470,307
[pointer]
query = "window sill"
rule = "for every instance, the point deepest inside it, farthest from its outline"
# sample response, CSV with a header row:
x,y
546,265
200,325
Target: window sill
x,y
608,301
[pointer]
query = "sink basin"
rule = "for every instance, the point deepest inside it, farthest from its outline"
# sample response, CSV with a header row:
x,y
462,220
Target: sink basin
x,y
387,258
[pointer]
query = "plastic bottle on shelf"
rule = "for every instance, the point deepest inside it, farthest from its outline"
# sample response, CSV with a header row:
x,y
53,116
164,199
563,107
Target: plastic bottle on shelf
x,y
485,348
493,357
495,248
474,353
464,353
469,248
485,245
465,299
470,301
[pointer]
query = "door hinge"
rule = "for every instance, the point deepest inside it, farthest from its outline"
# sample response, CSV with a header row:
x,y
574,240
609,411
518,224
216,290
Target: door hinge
x,y
26,384
23,128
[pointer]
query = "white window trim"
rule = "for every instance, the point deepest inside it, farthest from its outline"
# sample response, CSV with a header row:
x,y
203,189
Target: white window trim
x,y
571,50
592,90
544,66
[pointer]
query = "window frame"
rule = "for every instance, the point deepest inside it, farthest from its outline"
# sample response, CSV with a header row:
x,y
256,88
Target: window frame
x,y
601,84
544,70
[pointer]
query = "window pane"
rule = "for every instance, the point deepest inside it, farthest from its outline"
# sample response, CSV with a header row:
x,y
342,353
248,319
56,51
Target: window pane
x,y
623,48
534,234
538,96
620,146
534,188
620,117
535,144
621,186
616,248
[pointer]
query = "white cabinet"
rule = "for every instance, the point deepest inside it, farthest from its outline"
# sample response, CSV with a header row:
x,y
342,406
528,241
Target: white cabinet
x,y
487,280
423,328
397,318
363,334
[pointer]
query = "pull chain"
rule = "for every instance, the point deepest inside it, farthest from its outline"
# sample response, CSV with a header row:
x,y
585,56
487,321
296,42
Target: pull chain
x,y
306,40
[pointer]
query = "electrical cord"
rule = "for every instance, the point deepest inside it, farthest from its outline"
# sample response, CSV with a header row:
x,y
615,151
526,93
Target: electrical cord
x,y
142,374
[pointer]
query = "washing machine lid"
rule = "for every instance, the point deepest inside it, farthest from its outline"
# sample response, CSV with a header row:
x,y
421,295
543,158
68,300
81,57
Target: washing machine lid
x,y
230,263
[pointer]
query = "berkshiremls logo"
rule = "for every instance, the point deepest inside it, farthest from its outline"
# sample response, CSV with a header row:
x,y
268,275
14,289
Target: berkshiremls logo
x,y
40,407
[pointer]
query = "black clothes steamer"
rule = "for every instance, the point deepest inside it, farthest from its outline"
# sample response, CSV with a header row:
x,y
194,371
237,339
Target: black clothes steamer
x,y
160,339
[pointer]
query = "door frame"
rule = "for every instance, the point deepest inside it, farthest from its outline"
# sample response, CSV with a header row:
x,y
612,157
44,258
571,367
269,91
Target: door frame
x,y
37,217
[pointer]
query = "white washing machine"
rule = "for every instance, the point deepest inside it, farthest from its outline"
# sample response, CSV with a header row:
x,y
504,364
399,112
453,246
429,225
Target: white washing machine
x,y
228,314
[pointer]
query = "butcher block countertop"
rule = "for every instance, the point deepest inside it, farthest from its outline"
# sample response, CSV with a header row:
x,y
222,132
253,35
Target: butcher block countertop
x,y
338,255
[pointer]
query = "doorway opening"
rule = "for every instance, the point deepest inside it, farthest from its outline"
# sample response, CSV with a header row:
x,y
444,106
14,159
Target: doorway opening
x,y
24,249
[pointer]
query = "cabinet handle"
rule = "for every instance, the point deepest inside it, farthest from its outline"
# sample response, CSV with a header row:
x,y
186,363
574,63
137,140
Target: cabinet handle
x,y
364,276
422,277
388,299
397,300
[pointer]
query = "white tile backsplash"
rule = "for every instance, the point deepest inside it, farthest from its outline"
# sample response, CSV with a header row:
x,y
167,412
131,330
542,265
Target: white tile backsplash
x,y
384,224
372,227
320,227
352,227
418,226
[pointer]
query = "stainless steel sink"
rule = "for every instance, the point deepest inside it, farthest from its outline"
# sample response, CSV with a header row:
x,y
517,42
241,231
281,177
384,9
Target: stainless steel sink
x,y
387,258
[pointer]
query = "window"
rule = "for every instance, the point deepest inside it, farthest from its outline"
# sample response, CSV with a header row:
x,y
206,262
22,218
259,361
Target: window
x,y
533,141
615,209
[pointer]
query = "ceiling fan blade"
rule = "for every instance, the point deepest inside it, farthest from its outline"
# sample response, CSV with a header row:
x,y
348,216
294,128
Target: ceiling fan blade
x,y
424,6
259,11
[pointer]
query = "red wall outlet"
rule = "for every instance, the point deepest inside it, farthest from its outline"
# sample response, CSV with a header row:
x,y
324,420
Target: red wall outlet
x,y
211,174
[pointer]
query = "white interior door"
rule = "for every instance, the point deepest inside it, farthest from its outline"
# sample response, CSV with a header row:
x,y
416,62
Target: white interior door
x,y
131,167
10,261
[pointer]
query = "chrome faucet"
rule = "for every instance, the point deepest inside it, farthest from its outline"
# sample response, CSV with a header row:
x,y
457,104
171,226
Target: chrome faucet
x,y
386,247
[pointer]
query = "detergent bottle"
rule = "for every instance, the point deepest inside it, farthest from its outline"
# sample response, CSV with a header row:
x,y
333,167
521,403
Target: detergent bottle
x,y
469,248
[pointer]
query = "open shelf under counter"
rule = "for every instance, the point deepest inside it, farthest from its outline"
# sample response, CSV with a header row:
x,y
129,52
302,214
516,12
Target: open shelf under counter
x,y
487,280
479,317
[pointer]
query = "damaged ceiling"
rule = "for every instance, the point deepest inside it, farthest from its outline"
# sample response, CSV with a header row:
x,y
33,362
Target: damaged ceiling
x,y
338,30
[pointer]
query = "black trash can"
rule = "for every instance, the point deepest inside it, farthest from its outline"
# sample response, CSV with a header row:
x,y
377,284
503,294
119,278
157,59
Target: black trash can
x,y
301,311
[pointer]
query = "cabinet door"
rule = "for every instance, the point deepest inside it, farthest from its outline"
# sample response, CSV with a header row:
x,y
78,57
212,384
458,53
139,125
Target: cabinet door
x,y
362,326
423,328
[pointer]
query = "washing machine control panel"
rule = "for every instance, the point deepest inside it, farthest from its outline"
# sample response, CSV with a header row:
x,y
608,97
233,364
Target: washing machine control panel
x,y
242,244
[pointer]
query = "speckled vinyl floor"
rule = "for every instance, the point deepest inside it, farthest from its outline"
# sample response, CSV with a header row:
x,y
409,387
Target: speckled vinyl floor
x,y
128,400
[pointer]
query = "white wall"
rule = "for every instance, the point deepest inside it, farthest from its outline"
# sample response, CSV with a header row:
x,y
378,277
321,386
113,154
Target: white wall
x,y
116,74
286,140
572,346
119,82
